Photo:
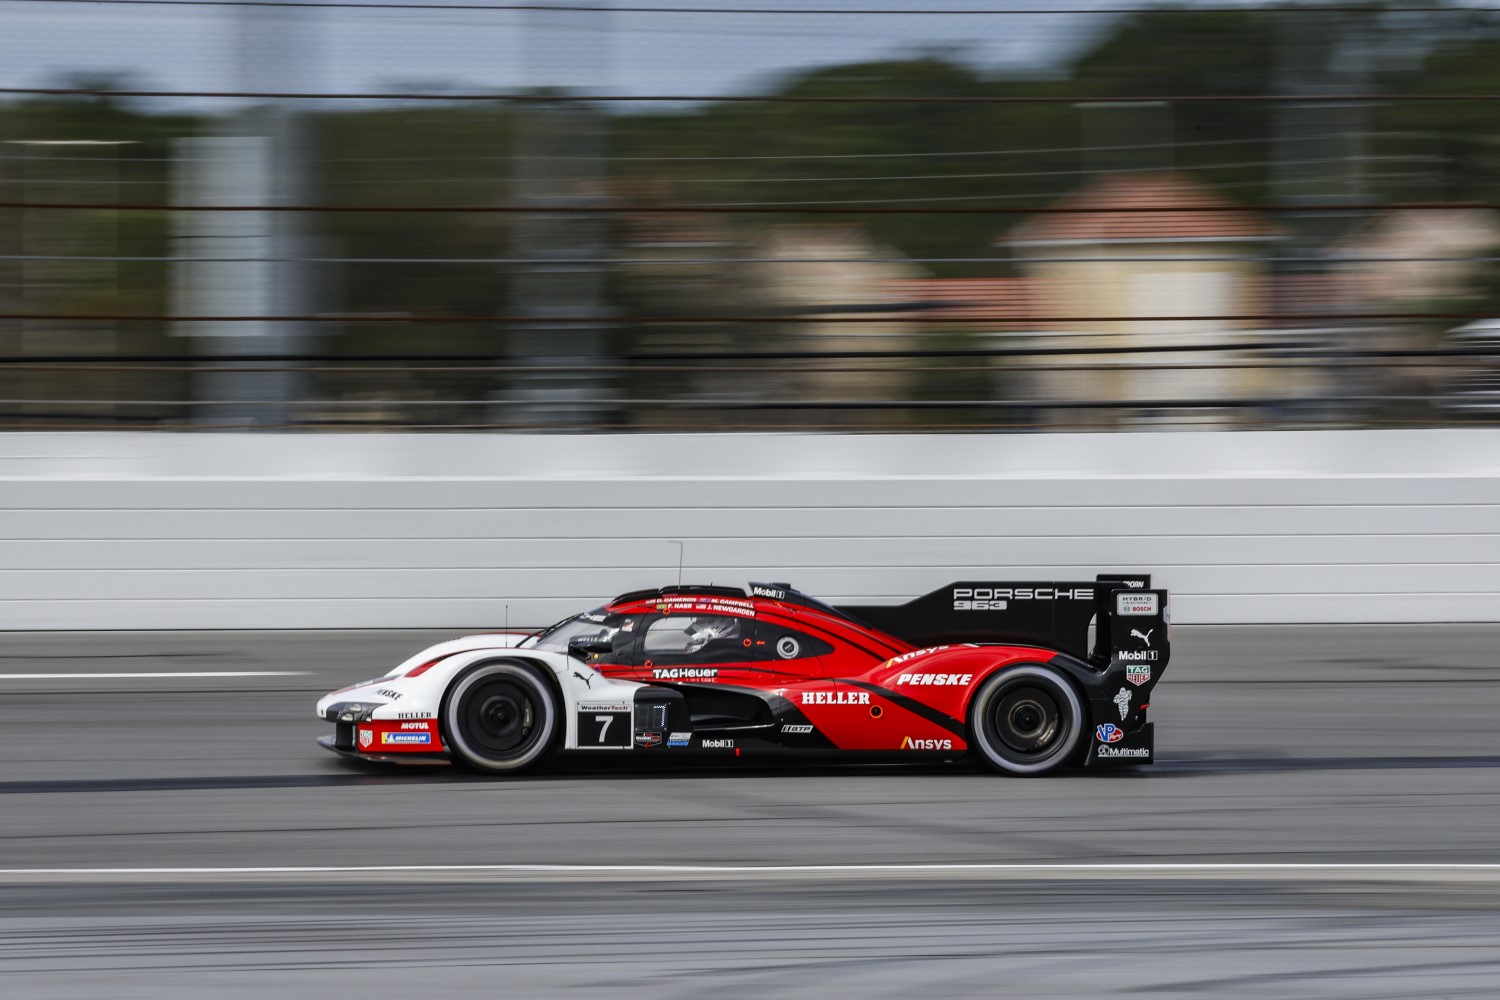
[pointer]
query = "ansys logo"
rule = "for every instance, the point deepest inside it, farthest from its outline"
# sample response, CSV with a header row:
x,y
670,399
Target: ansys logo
x,y
910,744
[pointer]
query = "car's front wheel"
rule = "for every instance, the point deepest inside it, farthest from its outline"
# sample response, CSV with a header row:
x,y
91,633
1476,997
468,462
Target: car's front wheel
x,y
500,716
1027,720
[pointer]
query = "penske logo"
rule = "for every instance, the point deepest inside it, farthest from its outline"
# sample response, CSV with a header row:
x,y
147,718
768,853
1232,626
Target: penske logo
x,y
910,744
944,680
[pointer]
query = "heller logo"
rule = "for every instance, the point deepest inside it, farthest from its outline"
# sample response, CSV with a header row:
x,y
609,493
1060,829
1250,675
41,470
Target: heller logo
x,y
835,697
910,744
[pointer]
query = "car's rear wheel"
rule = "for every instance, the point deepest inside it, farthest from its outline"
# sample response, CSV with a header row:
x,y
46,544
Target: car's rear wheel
x,y
1026,720
500,716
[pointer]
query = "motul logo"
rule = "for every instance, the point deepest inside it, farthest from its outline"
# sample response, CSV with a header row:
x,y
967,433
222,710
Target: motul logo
x,y
910,744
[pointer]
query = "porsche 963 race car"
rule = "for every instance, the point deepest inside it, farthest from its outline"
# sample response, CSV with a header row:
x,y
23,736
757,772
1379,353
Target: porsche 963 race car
x,y
1031,677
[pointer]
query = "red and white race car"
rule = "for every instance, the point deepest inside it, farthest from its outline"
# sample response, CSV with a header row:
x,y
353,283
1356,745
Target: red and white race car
x,y
1006,670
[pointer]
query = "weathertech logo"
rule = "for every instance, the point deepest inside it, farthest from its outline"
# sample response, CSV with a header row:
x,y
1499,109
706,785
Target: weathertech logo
x,y
945,680
910,744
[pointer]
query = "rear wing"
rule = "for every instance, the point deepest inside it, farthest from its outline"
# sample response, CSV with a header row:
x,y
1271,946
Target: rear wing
x,y
1056,614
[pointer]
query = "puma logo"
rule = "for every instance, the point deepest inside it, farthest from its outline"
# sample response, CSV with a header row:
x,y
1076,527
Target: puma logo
x,y
588,681
1143,636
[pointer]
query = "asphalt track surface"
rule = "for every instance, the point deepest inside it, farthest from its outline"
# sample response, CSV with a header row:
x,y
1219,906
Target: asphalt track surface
x,y
1300,748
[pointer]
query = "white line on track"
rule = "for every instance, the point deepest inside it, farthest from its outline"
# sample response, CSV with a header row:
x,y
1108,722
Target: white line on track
x,y
1164,871
153,675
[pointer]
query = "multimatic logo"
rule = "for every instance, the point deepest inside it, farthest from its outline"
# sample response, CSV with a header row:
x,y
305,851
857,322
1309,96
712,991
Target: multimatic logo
x,y
998,598
1102,751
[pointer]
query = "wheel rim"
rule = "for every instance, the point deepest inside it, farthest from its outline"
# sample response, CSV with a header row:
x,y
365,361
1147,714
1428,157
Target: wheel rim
x,y
1027,721
500,717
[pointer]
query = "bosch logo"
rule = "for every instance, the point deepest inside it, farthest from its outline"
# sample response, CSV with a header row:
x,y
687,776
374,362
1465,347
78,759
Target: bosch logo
x,y
1109,733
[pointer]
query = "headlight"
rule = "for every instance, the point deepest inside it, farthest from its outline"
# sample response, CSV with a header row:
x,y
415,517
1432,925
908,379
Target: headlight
x,y
352,711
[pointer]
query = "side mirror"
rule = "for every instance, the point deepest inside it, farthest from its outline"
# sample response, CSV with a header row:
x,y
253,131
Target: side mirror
x,y
585,646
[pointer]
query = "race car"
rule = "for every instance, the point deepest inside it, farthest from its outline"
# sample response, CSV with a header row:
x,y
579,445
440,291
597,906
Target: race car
x,y
1030,677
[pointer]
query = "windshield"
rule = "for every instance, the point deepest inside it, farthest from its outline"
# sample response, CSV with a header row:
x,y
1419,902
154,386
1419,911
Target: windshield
x,y
596,623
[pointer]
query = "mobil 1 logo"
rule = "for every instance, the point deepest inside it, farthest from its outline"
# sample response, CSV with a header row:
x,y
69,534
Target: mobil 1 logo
x,y
607,728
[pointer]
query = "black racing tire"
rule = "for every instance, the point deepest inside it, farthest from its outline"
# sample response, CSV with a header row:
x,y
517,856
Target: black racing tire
x,y
500,716
1027,720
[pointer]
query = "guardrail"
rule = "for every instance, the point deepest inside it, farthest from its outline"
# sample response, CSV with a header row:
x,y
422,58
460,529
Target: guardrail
x,y
199,531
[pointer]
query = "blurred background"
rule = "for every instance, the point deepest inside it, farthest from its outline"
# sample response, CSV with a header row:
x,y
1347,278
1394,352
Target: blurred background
x,y
863,215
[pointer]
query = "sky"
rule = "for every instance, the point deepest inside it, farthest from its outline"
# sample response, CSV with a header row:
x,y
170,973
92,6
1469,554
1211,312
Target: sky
x,y
194,48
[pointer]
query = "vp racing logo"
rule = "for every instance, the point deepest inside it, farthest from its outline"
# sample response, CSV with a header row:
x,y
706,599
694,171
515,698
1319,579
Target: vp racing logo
x,y
999,598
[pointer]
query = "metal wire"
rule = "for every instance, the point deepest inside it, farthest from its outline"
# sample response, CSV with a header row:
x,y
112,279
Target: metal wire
x,y
572,207
535,97
798,11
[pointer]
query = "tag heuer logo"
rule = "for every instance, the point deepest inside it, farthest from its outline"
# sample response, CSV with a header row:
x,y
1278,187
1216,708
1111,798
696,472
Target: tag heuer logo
x,y
1139,673
366,737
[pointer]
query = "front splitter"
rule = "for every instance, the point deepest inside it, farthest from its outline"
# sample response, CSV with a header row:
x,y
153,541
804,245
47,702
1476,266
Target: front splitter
x,y
438,757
